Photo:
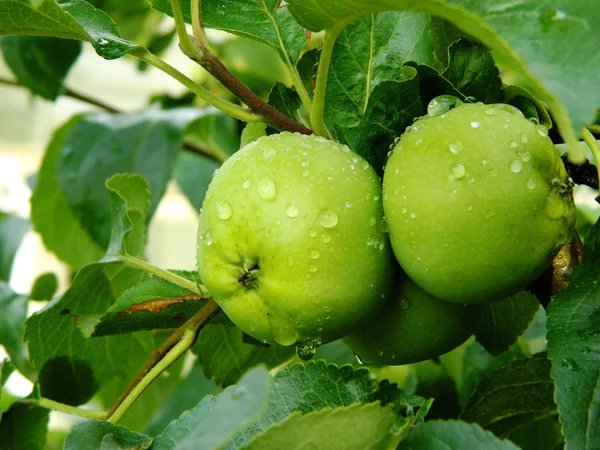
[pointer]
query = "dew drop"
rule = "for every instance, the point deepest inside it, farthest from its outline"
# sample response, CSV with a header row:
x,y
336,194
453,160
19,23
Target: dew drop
x,y
524,155
246,184
282,332
269,154
266,189
419,141
442,104
325,238
514,144
404,304
456,147
484,161
312,233
315,254
312,268
414,244
305,352
493,172
492,111
453,191
404,210
530,184
305,174
508,108
555,205
475,124
542,130
102,42
224,211
292,211
327,218
372,221
304,163
457,171
515,166
207,237
412,215
524,138
348,204
397,171
469,207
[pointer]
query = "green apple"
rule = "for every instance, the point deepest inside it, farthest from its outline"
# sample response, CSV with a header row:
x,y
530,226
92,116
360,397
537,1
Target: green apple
x,y
477,202
412,326
292,241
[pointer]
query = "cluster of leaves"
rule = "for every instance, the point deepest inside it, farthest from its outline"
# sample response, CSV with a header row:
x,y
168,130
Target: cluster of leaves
x,y
387,64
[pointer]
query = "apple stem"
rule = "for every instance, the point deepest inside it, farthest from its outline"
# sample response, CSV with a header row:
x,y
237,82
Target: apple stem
x,y
169,351
590,140
196,48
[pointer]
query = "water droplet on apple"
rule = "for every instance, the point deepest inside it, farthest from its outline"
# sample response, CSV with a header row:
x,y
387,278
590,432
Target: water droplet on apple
x,y
469,207
372,221
269,154
246,184
491,111
524,138
419,141
327,218
515,166
404,304
513,144
207,237
475,124
456,147
412,215
457,171
494,172
282,332
484,161
508,108
530,184
314,254
292,211
555,205
312,233
266,189
442,104
312,268
304,163
524,155
348,204
224,211
541,130
325,238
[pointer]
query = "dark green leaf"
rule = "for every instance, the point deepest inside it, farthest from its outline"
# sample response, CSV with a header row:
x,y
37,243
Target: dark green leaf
x,y
100,434
101,145
151,304
188,394
574,346
51,215
467,364
513,396
40,63
528,104
24,427
12,231
453,435
215,419
473,72
6,369
13,311
502,322
193,174
44,287
225,357
56,345
355,427
536,38
540,435
442,35
286,101
371,51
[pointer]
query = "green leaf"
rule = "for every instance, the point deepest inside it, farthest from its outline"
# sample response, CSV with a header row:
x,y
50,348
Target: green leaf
x,y
316,385
470,362
24,427
194,173
392,107
528,104
573,347
473,72
215,419
225,357
513,396
44,287
104,435
263,20
189,392
13,312
12,231
45,19
6,369
452,435
150,304
101,145
40,63
442,35
51,215
368,52
536,39
539,435
502,322
63,357
353,427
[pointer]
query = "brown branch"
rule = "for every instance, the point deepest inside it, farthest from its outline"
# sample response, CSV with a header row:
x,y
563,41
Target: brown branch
x,y
187,144
195,323
213,65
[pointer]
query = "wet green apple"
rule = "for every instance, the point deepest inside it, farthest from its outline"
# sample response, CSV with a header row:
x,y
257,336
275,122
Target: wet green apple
x,y
292,241
477,202
412,326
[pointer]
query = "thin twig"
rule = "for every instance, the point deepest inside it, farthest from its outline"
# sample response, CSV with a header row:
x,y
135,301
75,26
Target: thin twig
x,y
194,324
67,92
